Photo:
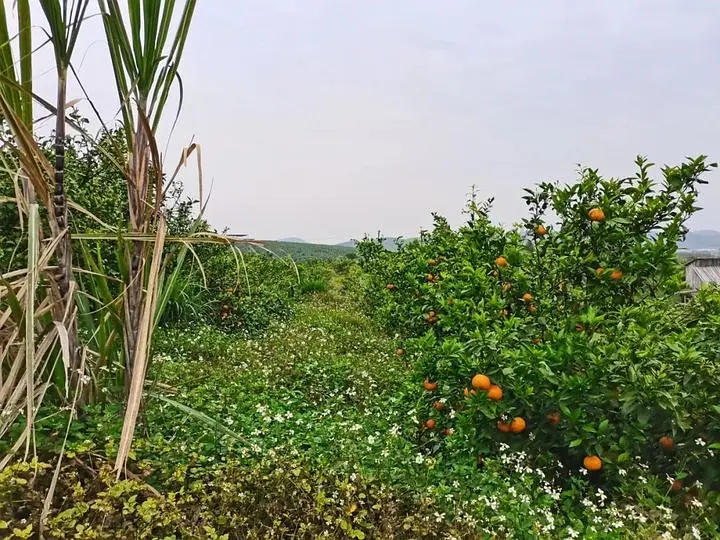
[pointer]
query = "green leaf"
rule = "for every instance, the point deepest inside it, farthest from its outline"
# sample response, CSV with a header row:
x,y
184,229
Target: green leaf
x,y
576,442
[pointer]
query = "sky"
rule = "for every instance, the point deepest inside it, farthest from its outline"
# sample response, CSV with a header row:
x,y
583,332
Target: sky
x,y
326,120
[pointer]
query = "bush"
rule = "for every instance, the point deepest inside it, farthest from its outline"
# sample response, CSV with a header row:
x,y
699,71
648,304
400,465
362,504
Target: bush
x,y
576,321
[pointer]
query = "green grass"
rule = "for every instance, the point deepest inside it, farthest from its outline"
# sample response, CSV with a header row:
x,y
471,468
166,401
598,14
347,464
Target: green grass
x,y
310,430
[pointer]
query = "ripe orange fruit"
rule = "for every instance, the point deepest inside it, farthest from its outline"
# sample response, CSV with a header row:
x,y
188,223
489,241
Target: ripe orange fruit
x,y
430,423
527,297
400,352
430,278
429,386
616,275
517,425
596,214
599,271
481,382
553,418
504,427
676,486
432,262
592,463
540,230
666,442
495,393
501,262
439,406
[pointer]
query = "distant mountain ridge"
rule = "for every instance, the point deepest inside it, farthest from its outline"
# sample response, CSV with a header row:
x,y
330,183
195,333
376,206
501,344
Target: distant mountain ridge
x,y
293,239
701,240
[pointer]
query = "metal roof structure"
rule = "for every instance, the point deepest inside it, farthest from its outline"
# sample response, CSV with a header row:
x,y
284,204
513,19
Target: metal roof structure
x,y
702,271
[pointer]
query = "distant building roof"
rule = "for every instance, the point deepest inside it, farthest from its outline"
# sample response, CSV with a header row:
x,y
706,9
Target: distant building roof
x,y
701,271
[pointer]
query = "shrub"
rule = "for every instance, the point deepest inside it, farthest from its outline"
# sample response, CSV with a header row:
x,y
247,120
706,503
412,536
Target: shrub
x,y
576,321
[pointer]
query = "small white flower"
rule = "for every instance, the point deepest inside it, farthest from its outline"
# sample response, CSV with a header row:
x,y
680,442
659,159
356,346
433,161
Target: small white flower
x,y
622,472
699,442
696,503
695,532
572,533
419,459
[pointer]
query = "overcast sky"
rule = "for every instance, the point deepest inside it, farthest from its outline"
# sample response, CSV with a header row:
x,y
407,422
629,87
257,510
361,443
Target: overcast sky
x,y
329,119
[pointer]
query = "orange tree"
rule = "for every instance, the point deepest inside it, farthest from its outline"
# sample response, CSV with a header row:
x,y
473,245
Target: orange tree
x,y
574,319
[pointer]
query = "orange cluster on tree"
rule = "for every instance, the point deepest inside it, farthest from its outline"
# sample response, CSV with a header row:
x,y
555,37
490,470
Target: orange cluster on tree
x,y
501,261
495,393
517,425
666,442
596,214
481,382
553,418
429,386
592,463
540,230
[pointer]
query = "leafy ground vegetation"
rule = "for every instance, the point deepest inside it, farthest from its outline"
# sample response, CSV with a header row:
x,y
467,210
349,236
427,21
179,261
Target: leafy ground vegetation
x,y
543,382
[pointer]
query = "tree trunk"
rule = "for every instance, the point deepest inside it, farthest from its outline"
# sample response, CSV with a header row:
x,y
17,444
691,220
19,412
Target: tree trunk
x,y
139,208
64,248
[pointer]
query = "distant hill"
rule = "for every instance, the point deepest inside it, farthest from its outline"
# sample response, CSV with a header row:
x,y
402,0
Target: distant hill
x,y
701,240
388,243
299,250
293,239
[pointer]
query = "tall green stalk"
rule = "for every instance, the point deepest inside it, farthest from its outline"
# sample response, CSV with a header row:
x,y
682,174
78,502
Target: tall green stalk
x,y
145,63
64,24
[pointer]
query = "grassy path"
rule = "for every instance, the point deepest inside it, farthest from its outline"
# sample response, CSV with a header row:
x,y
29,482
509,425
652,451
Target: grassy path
x,y
327,384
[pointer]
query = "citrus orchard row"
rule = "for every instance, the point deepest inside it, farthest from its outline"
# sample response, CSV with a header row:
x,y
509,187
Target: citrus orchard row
x,y
569,332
